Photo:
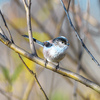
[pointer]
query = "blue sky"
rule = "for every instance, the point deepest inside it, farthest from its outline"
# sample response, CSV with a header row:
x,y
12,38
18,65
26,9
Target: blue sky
x,y
94,7
2,2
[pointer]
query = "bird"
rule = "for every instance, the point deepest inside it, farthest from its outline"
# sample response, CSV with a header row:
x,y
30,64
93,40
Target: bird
x,y
53,50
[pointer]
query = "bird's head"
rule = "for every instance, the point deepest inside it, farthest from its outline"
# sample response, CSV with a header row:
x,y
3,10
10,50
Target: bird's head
x,y
61,41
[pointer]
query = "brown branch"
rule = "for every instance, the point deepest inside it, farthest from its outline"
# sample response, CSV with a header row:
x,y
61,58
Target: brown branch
x,y
78,90
6,94
34,74
59,26
77,71
31,84
6,26
78,36
34,19
50,66
68,5
32,46
2,32
28,16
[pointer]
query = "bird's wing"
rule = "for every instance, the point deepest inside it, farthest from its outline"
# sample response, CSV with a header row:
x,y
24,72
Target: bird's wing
x,y
47,44
35,40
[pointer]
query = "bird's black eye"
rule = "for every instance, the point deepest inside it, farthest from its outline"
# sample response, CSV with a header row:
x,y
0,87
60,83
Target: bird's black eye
x,y
63,42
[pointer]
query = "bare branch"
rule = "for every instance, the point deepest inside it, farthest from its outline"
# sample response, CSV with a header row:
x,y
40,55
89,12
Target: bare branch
x,y
68,5
35,20
93,58
6,27
77,71
2,32
28,16
34,74
30,85
59,26
50,66
25,4
6,94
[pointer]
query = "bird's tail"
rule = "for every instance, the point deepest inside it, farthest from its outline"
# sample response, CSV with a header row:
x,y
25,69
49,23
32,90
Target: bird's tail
x,y
35,40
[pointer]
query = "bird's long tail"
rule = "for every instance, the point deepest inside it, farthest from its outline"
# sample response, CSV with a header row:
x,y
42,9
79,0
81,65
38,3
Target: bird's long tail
x,y
35,40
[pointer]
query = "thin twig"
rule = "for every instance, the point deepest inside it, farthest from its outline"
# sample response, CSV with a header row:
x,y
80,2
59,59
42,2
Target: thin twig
x,y
84,70
80,53
14,26
50,66
21,57
31,84
78,90
32,46
34,74
77,71
87,30
41,27
51,86
28,16
6,94
68,5
93,58
6,27
3,32
59,25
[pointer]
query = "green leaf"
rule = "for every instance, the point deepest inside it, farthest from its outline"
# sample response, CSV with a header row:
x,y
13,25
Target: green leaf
x,y
59,96
6,73
16,73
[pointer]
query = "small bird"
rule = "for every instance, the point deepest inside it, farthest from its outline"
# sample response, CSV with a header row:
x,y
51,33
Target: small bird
x,y
53,50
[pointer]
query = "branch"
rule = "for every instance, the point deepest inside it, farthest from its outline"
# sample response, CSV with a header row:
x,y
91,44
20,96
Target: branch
x,y
6,94
59,26
2,32
28,16
93,58
77,71
6,26
19,4
68,5
34,74
50,66
30,85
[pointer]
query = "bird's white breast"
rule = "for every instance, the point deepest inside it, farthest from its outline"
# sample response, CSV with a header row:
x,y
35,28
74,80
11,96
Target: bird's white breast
x,y
54,53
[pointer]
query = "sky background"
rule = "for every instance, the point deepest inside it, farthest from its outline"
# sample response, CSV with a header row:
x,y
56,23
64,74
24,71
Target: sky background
x,y
3,1
94,7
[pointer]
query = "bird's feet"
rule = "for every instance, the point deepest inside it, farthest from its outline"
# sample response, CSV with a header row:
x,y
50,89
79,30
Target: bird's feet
x,y
46,62
57,66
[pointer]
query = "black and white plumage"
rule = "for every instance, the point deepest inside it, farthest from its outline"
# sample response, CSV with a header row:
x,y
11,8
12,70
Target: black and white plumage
x,y
53,50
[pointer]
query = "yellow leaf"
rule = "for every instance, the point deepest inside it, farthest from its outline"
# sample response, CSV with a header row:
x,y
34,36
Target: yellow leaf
x,y
20,22
31,65
40,36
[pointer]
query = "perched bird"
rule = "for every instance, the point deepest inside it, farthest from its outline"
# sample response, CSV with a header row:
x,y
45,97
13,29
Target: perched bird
x,y
53,50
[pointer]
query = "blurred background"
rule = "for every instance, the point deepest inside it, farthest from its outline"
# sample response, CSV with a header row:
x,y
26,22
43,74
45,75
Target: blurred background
x,y
49,21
